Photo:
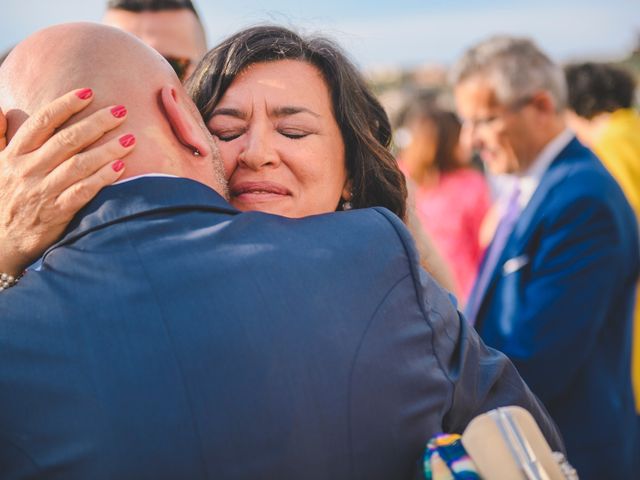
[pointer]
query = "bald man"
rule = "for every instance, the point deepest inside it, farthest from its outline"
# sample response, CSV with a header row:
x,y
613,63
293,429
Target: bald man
x,y
168,336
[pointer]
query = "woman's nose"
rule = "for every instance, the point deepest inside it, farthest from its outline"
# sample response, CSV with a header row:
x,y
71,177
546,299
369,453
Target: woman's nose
x,y
258,150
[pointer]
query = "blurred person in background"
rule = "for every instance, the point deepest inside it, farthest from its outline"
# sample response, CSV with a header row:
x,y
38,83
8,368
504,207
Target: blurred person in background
x,y
600,112
451,198
171,27
556,288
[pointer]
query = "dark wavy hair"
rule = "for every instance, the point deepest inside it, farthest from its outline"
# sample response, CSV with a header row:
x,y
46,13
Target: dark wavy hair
x,y
375,177
597,88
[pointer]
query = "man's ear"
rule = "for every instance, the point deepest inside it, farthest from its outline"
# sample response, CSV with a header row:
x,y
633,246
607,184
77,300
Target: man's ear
x,y
544,102
184,126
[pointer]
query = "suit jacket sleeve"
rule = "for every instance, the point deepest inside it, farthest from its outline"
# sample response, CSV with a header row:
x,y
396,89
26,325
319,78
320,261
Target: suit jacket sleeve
x,y
480,377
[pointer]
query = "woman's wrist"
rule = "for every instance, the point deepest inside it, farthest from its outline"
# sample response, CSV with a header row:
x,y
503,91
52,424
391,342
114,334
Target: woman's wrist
x,y
13,267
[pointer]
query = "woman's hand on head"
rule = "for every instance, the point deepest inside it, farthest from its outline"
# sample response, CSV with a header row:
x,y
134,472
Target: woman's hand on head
x,y
3,131
48,173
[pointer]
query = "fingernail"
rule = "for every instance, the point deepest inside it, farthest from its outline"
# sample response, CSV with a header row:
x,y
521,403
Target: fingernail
x,y
127,140
119,111
117,165
84,94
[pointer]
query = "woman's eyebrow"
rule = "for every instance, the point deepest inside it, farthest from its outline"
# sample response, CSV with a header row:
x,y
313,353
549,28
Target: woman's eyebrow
x,y
292,110
231,112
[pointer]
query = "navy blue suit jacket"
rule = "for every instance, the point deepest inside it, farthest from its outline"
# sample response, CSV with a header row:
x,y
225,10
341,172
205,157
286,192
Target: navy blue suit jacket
x,y
166,336
560,306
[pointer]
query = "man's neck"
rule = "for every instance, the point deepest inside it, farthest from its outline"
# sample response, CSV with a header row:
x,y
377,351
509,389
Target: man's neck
x,y
542,138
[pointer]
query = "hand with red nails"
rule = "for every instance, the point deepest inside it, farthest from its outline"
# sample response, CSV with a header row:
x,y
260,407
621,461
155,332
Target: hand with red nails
x,y
48,173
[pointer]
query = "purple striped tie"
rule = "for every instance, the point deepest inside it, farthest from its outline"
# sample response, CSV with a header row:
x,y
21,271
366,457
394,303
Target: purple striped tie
x,y
507,222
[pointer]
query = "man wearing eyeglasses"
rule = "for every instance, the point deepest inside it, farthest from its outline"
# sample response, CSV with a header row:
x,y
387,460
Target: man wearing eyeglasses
x,y
172,27
556,288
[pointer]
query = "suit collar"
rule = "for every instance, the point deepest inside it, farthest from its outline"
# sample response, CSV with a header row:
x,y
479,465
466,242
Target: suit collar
x,y
529,180
142,196
524,223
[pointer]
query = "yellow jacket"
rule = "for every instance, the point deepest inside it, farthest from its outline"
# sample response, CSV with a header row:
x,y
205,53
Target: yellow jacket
x,y
618,147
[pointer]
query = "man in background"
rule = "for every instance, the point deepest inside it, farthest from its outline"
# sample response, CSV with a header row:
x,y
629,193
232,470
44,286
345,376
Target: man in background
x,y
556,288
172,27
600,112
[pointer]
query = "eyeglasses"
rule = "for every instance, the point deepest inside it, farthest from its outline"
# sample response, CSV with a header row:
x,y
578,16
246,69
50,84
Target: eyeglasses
x,y
179,65
492,120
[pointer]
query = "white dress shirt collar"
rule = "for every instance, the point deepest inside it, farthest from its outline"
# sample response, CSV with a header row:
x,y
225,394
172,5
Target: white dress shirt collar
x,y
529,180
143,176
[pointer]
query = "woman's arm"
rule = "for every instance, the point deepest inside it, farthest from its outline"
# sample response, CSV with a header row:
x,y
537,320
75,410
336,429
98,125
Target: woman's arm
x,y
48,173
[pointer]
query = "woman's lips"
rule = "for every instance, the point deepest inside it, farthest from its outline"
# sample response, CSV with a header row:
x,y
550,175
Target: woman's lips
x,y
258,191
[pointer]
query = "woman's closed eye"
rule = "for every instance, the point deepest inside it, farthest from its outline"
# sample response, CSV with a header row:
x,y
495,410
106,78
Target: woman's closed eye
x,y
294,134
227,135
295,130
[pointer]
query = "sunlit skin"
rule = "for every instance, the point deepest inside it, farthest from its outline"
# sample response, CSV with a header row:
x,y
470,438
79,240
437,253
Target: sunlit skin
x,y
281,146
504,135
173,33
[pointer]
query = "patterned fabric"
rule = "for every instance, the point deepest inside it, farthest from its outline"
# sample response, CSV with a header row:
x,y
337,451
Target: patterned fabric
x,y
446,459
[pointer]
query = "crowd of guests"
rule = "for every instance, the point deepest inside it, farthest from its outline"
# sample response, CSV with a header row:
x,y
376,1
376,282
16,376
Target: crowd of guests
x,y
328,336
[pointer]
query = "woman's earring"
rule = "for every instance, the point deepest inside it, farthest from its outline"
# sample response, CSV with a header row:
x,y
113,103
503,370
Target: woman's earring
x,y
196,152
346,204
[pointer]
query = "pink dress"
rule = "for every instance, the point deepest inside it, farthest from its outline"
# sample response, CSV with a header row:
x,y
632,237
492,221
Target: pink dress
x,y
452,213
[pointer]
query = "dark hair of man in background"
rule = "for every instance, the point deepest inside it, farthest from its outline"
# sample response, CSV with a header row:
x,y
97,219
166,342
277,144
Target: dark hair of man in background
x,y
151,5
596,88
5,54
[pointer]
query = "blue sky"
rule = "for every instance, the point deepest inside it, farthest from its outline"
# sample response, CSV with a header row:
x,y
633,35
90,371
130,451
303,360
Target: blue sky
x,y
390,33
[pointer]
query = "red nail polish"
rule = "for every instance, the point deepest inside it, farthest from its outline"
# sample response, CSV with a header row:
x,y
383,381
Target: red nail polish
x,y
119,111
127,140
117,165
84,94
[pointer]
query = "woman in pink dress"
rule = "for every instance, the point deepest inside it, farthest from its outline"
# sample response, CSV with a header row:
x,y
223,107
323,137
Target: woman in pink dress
x,y
451,197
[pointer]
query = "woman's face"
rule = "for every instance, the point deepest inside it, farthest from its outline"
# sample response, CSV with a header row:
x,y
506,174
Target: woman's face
x,y
279,141
420,152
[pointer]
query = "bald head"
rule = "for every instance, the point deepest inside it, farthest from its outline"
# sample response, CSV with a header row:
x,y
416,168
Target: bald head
x,y
121,70
61,58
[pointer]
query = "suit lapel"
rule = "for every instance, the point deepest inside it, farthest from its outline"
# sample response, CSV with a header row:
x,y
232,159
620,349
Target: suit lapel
x,y
527,222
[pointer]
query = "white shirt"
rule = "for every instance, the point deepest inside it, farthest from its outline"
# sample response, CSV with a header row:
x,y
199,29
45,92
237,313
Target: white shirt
x,y
142,176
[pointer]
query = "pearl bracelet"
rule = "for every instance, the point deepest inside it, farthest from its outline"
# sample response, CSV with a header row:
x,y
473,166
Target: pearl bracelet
x,y
8,281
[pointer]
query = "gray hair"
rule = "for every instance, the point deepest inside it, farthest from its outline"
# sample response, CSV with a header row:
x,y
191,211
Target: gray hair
x,y
516,67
